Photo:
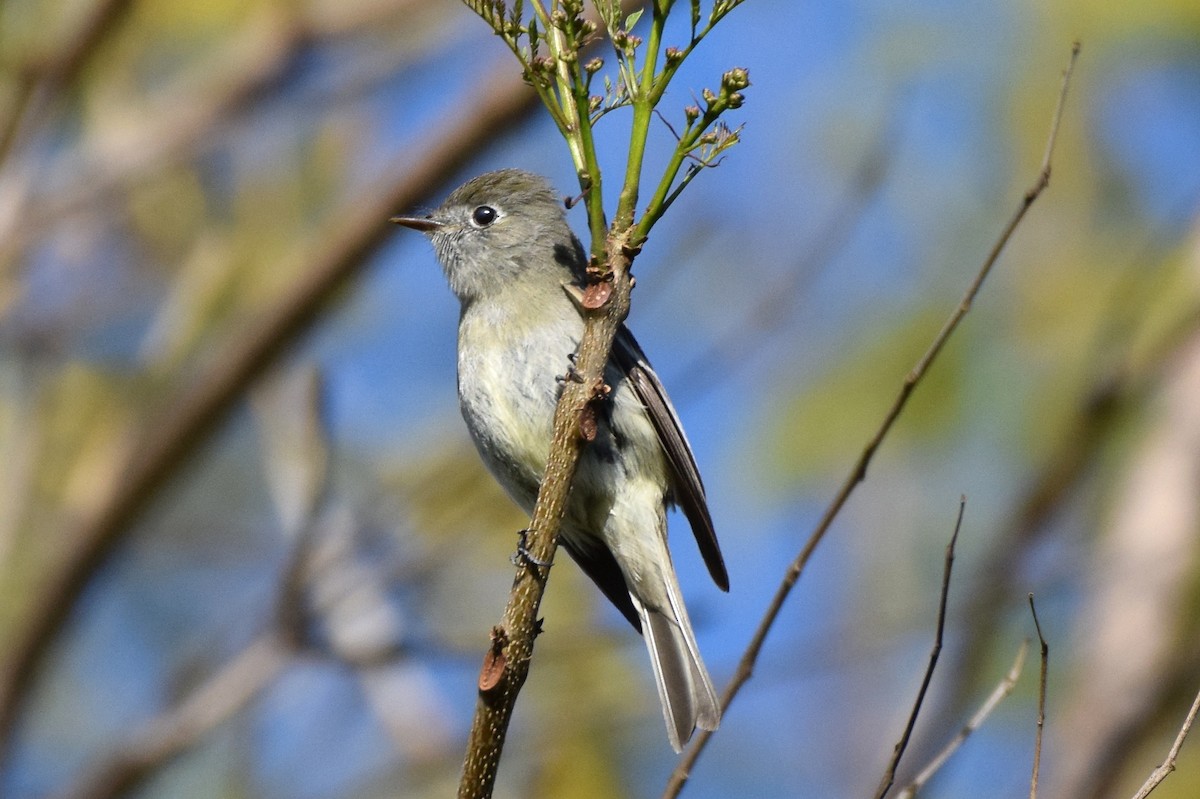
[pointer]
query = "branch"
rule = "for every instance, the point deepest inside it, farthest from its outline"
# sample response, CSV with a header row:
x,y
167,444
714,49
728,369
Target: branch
x,y
889,777
859,471
222,695
506,664
199,409
1041,719
36,93
1168,765
604,305
1003,689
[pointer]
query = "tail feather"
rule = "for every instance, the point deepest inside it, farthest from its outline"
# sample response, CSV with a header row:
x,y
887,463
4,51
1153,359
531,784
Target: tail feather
x,y
684,687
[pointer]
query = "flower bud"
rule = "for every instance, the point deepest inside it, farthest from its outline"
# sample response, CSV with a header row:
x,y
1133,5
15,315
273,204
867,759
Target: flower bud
x,y
735,79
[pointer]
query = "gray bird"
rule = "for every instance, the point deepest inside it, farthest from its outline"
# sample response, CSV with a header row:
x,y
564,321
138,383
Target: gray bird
x,y
508,253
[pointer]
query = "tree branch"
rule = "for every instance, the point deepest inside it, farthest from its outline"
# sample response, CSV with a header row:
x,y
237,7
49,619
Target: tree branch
x,y
225,693
858,472
1168,765
889,777
506,664
1002,689
1041,718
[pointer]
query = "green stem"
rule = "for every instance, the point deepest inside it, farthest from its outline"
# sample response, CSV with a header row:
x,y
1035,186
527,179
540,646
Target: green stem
x,y
659,202
593,197
643,108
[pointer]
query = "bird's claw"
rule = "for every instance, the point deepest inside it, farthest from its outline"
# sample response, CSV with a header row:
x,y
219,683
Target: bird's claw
x,y
523,556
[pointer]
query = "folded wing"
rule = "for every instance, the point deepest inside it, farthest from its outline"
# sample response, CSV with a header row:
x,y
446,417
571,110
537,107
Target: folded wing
x,y
688,488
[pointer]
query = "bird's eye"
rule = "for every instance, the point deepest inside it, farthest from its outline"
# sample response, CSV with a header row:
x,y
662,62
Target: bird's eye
x,y
484,215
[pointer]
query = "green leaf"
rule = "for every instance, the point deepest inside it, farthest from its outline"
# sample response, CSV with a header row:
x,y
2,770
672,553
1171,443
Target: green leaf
x,y
633,18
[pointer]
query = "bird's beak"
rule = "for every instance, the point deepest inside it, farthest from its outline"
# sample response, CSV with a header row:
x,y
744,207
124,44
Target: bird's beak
x,y
425,224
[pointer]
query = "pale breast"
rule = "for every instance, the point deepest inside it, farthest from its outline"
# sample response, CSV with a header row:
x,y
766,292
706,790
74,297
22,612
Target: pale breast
x,y
507,391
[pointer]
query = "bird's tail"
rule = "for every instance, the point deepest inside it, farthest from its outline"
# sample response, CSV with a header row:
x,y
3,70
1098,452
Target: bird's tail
x,y
688,698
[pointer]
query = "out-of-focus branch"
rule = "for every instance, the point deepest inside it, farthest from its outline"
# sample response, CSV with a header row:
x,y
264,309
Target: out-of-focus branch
x,y
39,88
225,693
338,254
311,592
858,472
1116,391
186,123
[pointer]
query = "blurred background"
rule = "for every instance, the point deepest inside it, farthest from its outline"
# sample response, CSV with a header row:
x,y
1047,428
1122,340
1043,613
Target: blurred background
x,y
246,547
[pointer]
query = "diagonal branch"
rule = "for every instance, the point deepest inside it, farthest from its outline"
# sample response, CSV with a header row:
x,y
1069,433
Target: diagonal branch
x,y
1168,765
858,472
189,420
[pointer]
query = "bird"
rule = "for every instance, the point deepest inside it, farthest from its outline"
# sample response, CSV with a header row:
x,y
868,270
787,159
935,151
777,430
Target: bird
x,y
511,259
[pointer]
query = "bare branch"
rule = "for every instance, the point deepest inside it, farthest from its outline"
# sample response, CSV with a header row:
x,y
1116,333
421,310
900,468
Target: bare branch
x,y
221,696
1168,765
889,777
1003,689
858,472
1041,719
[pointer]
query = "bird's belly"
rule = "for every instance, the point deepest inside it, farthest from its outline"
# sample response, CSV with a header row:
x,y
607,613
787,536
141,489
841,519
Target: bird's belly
x,y
508,405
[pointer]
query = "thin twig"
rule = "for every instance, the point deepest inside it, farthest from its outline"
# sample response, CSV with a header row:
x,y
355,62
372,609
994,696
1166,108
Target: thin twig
x,y
889,777
858,473
1125,375
1003,689
196,413
1041,718
1168,765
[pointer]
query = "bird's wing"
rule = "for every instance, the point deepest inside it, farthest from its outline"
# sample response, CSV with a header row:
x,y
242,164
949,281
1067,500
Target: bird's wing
x,y
688,489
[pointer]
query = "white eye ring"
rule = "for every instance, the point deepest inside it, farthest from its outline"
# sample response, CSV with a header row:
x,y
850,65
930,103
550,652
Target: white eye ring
x,y
484,215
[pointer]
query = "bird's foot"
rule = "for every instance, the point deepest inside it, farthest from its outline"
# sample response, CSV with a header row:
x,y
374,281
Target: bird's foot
x,y
523,556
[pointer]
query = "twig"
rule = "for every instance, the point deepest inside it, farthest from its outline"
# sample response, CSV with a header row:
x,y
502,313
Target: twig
x,y
858,473
191,418
1003,689
1121,383
1159,774
889,777
1041,719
